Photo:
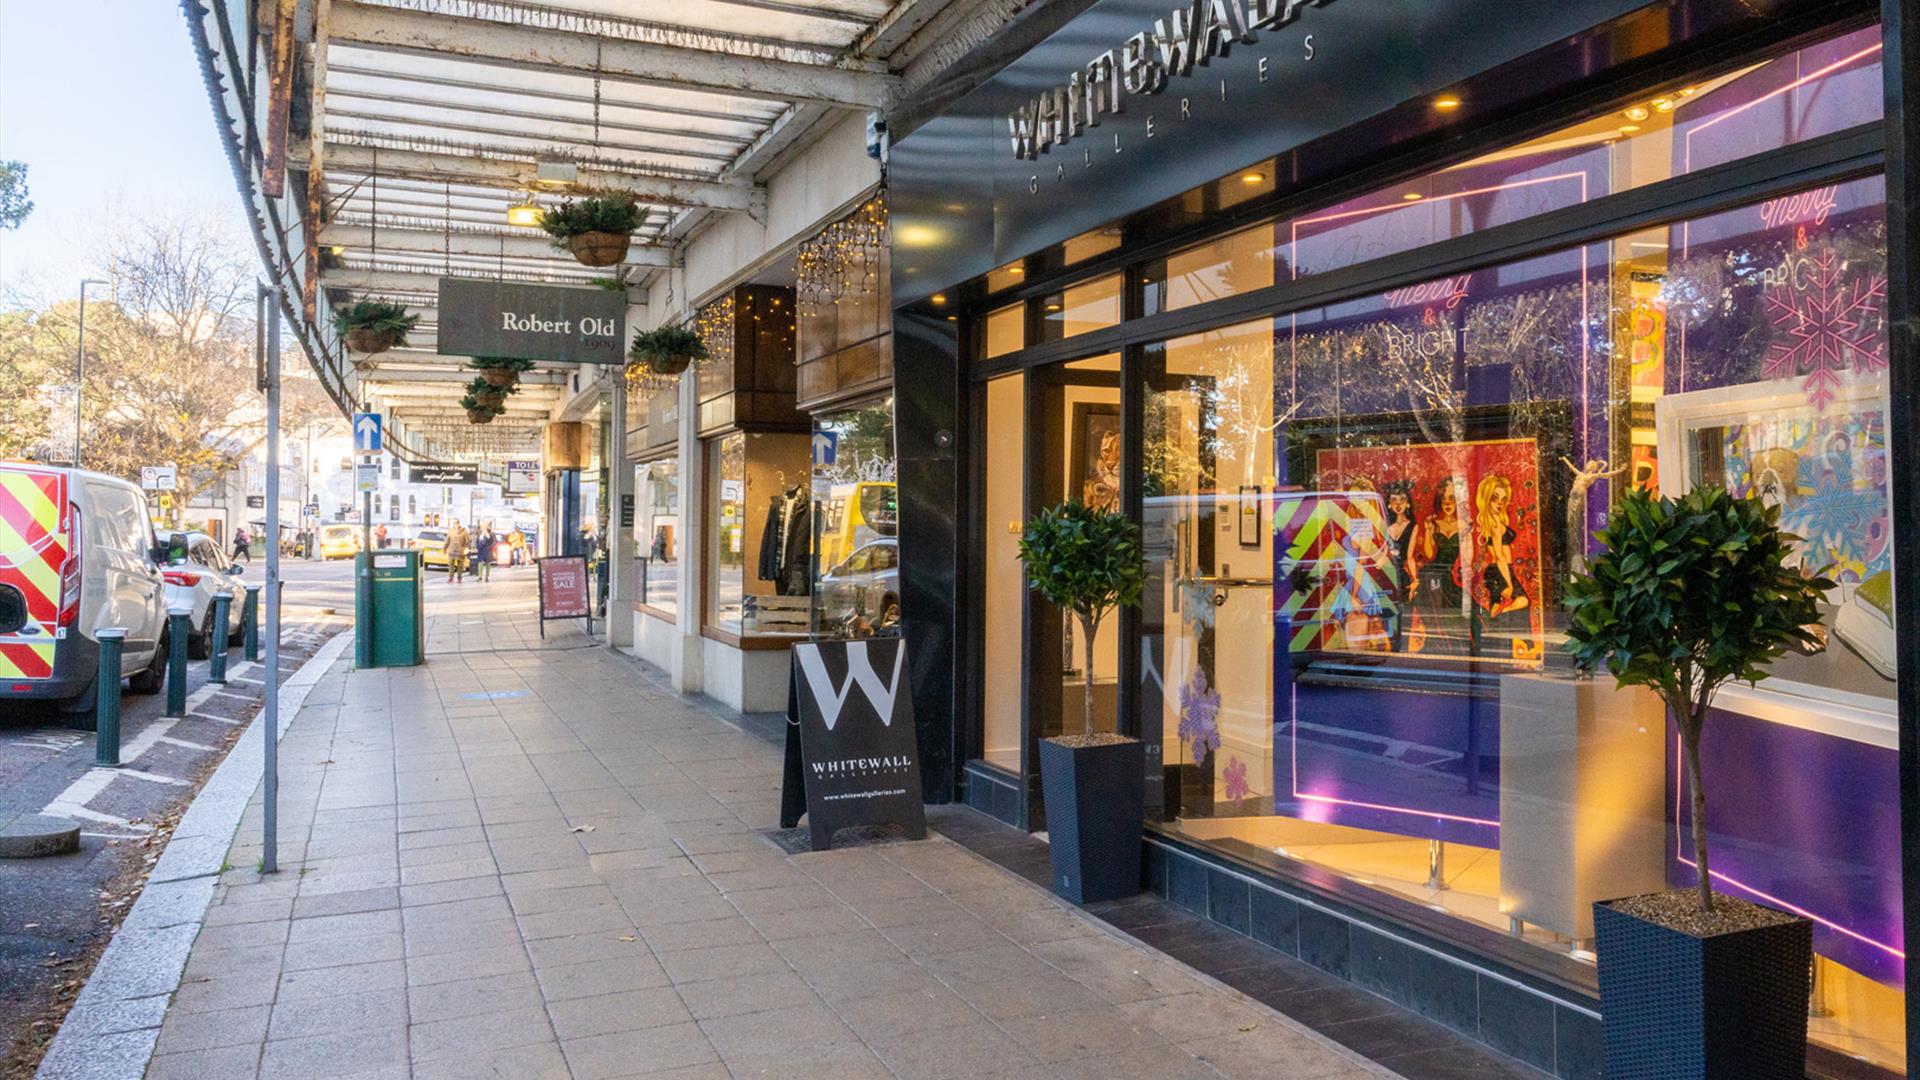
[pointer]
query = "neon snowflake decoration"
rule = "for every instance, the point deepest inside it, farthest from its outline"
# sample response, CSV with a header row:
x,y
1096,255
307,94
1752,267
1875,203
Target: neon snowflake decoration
x,y
1236,778
1200,716
1825,327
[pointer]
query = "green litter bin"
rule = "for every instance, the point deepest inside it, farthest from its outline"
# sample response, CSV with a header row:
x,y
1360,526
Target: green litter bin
x,y
389,628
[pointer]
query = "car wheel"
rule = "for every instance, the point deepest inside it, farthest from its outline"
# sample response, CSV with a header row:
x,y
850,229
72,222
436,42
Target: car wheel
x,y
81,712
153,678
200,645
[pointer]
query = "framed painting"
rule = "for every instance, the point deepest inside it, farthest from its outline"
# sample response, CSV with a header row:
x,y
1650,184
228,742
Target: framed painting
x,y
1094,470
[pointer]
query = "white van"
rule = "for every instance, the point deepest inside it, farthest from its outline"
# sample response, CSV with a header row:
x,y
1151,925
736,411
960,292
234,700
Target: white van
x,y
77,553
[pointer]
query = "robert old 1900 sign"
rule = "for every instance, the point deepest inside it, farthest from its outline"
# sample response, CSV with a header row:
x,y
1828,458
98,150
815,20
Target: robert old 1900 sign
x,y
532,322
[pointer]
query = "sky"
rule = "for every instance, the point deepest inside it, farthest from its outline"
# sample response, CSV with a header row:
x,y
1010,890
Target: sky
x,y
103,101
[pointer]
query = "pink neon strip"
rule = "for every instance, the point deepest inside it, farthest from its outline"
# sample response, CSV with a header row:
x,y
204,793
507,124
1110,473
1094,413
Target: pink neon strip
x,y
1794,85
1393,809
1678,833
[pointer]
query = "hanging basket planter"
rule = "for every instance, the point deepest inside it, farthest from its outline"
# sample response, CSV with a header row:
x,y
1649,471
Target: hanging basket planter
x,y
667,351
501,372
485,393
600,248
597,230
480,412
374,326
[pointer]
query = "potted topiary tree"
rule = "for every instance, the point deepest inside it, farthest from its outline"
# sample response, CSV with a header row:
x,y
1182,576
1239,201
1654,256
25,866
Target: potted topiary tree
x,y
1087,562
1693,593
667,350
479,412
374,326
596,229
501,371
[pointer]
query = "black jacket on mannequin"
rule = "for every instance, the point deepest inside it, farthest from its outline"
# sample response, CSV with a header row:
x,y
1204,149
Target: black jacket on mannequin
x,y
785,541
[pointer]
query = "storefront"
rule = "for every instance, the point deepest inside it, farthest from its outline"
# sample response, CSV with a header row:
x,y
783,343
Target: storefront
x,y
1366,313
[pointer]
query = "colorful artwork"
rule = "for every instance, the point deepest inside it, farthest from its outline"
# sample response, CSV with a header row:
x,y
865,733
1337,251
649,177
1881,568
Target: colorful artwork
x,y
1828,475
1827,321
1200,716
1472,564
1335,573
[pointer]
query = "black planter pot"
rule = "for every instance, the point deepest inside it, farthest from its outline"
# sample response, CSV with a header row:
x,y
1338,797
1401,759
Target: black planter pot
x,y
1094,797
1678,1007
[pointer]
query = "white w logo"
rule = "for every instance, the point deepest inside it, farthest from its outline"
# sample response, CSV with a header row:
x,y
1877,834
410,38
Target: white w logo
x,y
859,671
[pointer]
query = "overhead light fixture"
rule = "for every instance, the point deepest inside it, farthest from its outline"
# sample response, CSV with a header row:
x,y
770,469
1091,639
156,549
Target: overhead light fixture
x,y
338,249
1413,196
1663,104
1251,179
939,298
1446,103
1628,129
1637,113
1016,271
526,212
1053,307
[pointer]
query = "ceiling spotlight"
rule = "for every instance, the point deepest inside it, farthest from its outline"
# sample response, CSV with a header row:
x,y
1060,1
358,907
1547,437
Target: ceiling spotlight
x,y
1628,129
939,298
1446,103
1252,179
1637,113
1053,307
524,212
1413,196
1663,104
1016,271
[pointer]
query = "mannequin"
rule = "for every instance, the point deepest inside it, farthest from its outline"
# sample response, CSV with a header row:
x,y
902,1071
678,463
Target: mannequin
x,y
786,539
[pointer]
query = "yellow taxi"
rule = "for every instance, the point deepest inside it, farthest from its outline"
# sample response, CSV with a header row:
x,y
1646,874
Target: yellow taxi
x,y
339,541
432,546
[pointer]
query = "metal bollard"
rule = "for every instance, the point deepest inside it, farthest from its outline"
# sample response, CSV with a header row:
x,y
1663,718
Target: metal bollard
x,y
106,707
217,648
250,620
178,627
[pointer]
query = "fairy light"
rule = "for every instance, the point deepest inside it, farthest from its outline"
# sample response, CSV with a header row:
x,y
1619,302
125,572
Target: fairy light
x,y
844,259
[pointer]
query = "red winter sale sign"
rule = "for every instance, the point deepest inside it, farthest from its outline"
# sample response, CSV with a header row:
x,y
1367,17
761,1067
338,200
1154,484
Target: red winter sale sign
x,y
563,587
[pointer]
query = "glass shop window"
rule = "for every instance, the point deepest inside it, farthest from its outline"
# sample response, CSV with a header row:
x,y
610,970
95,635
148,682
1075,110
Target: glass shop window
x,y
856,520
1003,506
1091,305
1358,522
656,533
1006,330
759,534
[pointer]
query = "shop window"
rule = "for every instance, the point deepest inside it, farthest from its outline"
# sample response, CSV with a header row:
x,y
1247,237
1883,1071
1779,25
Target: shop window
x,y
656,534
759,534
856,518
1078,249
1092,305
1006,330
1006,277
1004,593
1234,264
1358,520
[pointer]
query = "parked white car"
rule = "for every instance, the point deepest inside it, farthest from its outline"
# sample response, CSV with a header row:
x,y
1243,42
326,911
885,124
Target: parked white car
x,y
197,571
78,555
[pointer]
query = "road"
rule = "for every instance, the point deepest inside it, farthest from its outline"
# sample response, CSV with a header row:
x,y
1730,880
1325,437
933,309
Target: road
x,y
56,913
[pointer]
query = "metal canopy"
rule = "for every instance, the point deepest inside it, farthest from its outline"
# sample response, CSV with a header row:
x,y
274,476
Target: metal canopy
x,y
425,120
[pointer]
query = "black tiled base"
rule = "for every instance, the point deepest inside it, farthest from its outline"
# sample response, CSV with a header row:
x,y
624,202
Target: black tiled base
x,y
1315,994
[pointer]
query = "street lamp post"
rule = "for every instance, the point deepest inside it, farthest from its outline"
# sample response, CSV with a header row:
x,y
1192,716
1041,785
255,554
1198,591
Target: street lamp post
x,y
80,368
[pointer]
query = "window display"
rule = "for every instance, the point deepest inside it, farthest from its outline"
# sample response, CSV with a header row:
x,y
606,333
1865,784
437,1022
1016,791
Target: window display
x,y
656,539
759,579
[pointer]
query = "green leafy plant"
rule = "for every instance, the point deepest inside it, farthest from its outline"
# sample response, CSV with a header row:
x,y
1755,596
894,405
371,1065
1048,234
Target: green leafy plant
x,y
476,408
1088,562
500,363
595,213
1691,593
483,391
376,316
667,350
610,284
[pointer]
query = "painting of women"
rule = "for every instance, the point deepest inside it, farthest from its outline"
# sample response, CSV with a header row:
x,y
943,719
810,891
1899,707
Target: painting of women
x,y
1435,582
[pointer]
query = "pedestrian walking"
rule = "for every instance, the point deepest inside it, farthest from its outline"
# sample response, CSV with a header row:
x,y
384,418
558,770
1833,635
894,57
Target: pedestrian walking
x,y
241,549
457,541
484,545
516,547
380,536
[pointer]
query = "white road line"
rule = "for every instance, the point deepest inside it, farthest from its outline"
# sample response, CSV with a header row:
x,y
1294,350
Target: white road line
x,y
154,777
231,694
171,741
215,719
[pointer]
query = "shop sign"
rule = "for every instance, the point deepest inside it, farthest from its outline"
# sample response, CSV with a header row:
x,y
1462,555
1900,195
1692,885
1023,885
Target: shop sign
x,y
523,477
532,322
1193,34
421,473
857,753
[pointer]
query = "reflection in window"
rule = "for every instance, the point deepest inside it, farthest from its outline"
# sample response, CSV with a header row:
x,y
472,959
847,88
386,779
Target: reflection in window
x,y
856,520
1092,305
1006,330
1003,511
656,532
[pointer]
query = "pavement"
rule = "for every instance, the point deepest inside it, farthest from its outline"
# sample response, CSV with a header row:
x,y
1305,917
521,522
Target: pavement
x,y
540,862
56,912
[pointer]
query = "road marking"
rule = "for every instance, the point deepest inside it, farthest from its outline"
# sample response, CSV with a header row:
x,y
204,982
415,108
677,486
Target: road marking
x,y
215,719
231,694
249,682
154,777
171,741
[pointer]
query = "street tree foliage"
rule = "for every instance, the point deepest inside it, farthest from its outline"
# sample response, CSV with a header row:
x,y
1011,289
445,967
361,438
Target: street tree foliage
x,y
14,204
1689,595
169,365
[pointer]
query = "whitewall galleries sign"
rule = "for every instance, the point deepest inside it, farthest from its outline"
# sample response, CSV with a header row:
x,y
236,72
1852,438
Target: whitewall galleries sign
x,y
532,322
1193,34
851,741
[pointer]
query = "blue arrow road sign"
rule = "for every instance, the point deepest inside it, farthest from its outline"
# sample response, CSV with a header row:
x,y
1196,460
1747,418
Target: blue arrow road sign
x,y
366,433
826,448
